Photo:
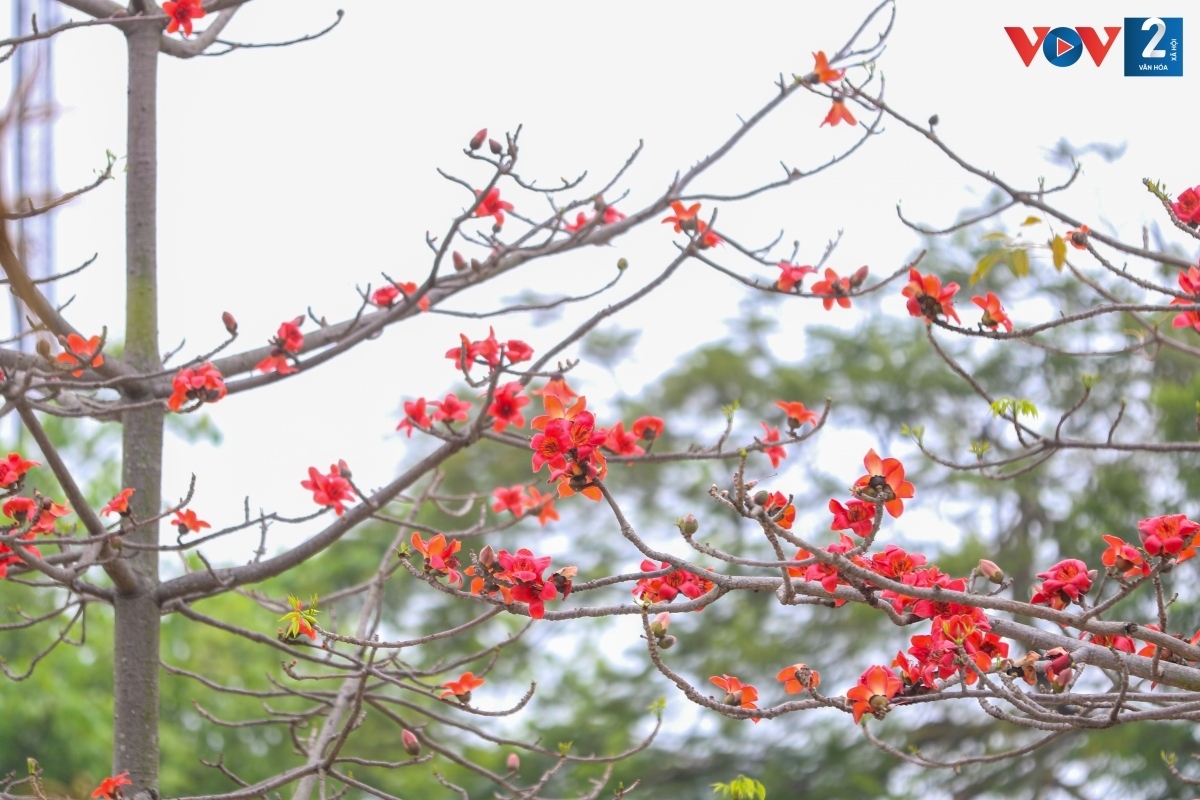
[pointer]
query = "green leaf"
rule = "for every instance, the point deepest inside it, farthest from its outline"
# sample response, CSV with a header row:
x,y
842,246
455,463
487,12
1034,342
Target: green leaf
x,y
1013,407
564,747
1031,221
995,236
984,266
1058,252
1019,260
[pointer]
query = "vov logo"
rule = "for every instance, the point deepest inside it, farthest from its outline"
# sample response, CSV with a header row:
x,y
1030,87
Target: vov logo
x,y
1062,47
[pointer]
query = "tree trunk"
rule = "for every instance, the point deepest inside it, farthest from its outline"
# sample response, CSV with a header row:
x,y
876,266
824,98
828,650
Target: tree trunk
x,y
135,677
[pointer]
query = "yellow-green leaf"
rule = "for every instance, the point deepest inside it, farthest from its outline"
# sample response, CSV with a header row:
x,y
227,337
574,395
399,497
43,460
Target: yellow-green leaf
x,y
1031,221
1058,251
1019,259
995,236
984,266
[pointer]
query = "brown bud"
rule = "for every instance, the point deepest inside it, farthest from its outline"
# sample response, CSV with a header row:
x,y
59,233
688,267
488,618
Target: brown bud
x,y
859,277
487,556
733,698
495,147
933,120
477,140
513,762
991,571
667,642
410,742
460,263
688,525
230,322
344,469
43,349
761,497
497,228
476,264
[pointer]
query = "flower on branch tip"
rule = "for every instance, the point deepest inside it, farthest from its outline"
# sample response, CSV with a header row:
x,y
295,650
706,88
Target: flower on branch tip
x,y
80,353
301,621
330,489
839,112
13,469
623,442
684,218
791,276
1063,584
1123,559
895,562
524,571
1077,237
119,504
182,12
797,414
579,477
648,428
775,452
556,387
737,694
439,554
857,516
1190,283
511,498
462,688
797,678
1187,206
1167,535
506,406
822,70
386,296
665,588
884,483
609,216
287,342
492,206
993,313
876,687
110,788
19,508
185,520
204,383
707,238
551,445
832,290
928,298
451,409
415,416
45,513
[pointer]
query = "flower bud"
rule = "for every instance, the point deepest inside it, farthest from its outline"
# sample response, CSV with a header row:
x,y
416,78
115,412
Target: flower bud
x,y
495,147
513,763
230,323
43,348
667,642
688,525
344,469
761,497
477,140
859,277
991,571
460,263
878,702
410,742
487,556
933,120
733,698
1060,664
660,624
623,264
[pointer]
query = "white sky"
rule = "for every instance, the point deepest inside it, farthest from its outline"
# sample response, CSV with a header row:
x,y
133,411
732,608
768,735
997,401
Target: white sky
x,y
289,176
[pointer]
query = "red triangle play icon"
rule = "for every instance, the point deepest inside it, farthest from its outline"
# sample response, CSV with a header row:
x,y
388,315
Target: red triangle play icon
x,y
1064,46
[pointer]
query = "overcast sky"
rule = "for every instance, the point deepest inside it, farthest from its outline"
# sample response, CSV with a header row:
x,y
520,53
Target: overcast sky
x,y
288,177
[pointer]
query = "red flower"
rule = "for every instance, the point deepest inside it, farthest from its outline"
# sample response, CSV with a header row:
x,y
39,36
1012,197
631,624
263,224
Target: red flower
x,y
683,218
792,276
648,428
838,113
827,574
510,499
857,516
465,356
182,12
439,555
110,788
884,483
1077,238
609,216
666,588
1063,584
551,446
80,353
775,452
1122,643
736,693
1187,206
524,570
557,387
386,296
833,289
331,489
993,312
185,520
506,406
462,688
875,688
780,510
1123,559
492,206
797,414
451,409
13,469
414,416
204,383
580,220
288,341
707,238
19,508
48,516
517,351
622,442
797,678
928,298
1190,283
544,503
894,562
822,71
119,504
1167,535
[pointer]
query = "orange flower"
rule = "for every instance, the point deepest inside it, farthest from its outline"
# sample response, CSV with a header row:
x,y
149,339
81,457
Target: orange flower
x,y
876,687
556,409
462,687
838,112
822,71
544,503
1123,558
797,414
556,387
684,218
110,788
884,483
737,693
182,12
80,353
1077,237
439,555
833,289
928,298
993,313
119,504
797,678
187,521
